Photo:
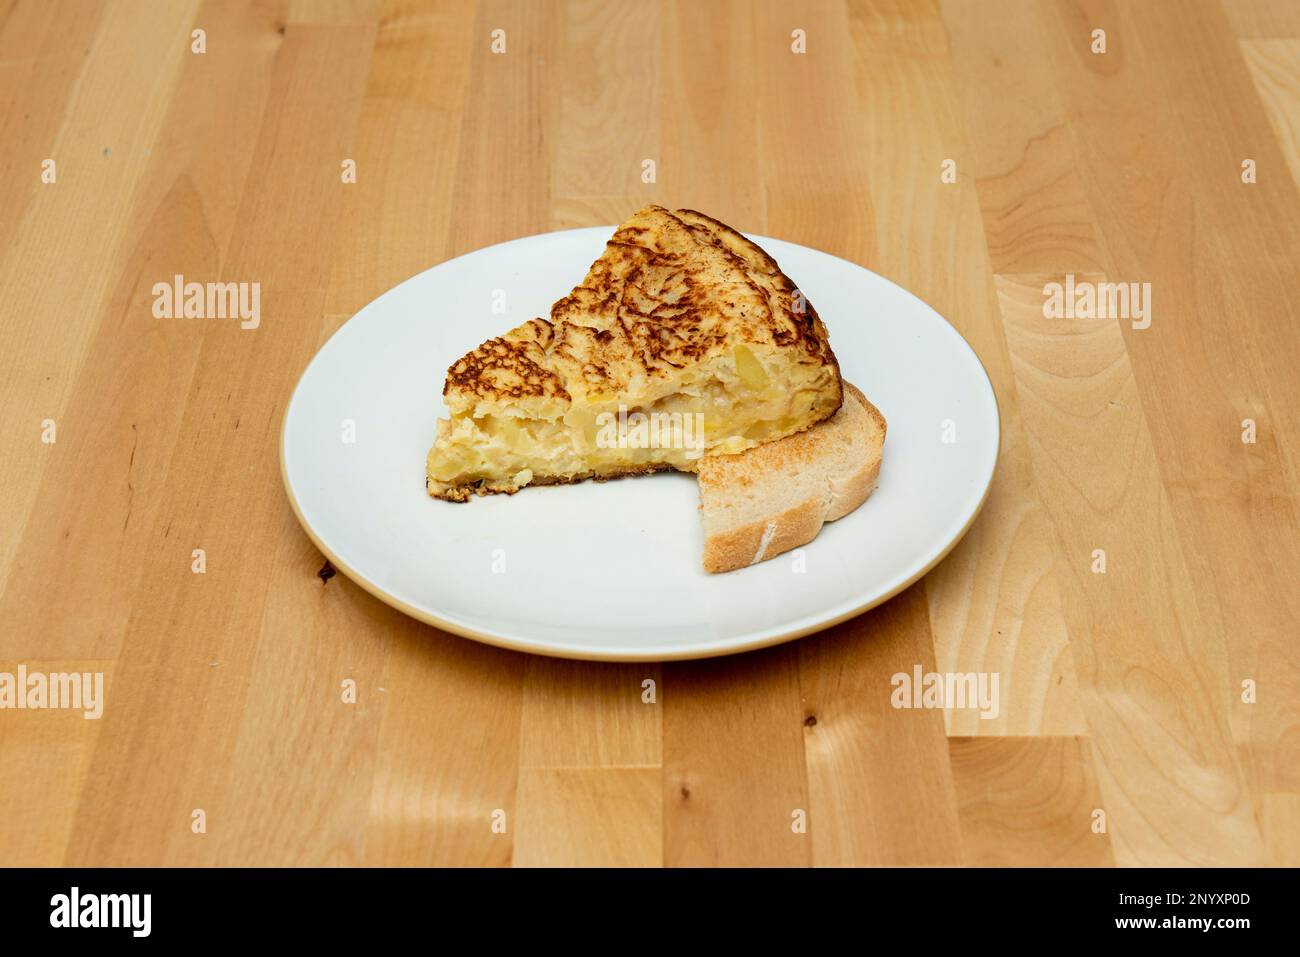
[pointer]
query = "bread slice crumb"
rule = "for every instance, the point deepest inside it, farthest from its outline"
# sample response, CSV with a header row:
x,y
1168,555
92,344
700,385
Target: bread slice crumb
x,y
763,502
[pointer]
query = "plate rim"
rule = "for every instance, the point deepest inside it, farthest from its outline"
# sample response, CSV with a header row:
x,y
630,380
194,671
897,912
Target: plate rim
x,y
551,650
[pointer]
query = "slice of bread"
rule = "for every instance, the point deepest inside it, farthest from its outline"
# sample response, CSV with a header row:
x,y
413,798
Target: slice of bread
x,y
770,499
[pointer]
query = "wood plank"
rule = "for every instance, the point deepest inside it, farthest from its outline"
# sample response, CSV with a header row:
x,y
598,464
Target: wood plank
x,y
1153,673
1262,18
1223,260
120,99
124,411
509,112
733,775
581,714
46,754
1028,802
317,636
225,465
589,817
607,99
335,12
43,49
710,134
1275,67
811,143
448,760
866,759
1032,201
406,153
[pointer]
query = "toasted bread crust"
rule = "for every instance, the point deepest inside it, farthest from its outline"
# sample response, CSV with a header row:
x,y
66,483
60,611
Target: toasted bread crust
x,y
796,525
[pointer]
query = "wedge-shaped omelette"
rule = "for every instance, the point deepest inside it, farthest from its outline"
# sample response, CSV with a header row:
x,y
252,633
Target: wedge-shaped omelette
x,y
684,340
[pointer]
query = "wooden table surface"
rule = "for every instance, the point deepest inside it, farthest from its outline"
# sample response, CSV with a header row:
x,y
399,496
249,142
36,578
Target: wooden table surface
x,y
1150,714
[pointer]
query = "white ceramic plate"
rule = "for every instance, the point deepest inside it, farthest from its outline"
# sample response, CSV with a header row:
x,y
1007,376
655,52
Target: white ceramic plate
x,y
612,571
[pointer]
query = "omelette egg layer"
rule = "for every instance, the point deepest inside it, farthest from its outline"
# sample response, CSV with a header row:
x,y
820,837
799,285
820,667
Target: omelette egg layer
x,y
685,339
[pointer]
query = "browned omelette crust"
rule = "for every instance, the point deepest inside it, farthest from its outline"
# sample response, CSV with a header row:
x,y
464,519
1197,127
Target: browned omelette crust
x,y
671,289
462,493
510,366
795,319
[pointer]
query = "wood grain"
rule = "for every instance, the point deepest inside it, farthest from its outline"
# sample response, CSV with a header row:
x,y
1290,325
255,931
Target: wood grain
x,y
1275,67
312,724
1094,458
1029,802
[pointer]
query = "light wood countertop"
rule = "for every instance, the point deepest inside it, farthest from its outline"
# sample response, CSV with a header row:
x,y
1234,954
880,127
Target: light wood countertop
x,y
1125,692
